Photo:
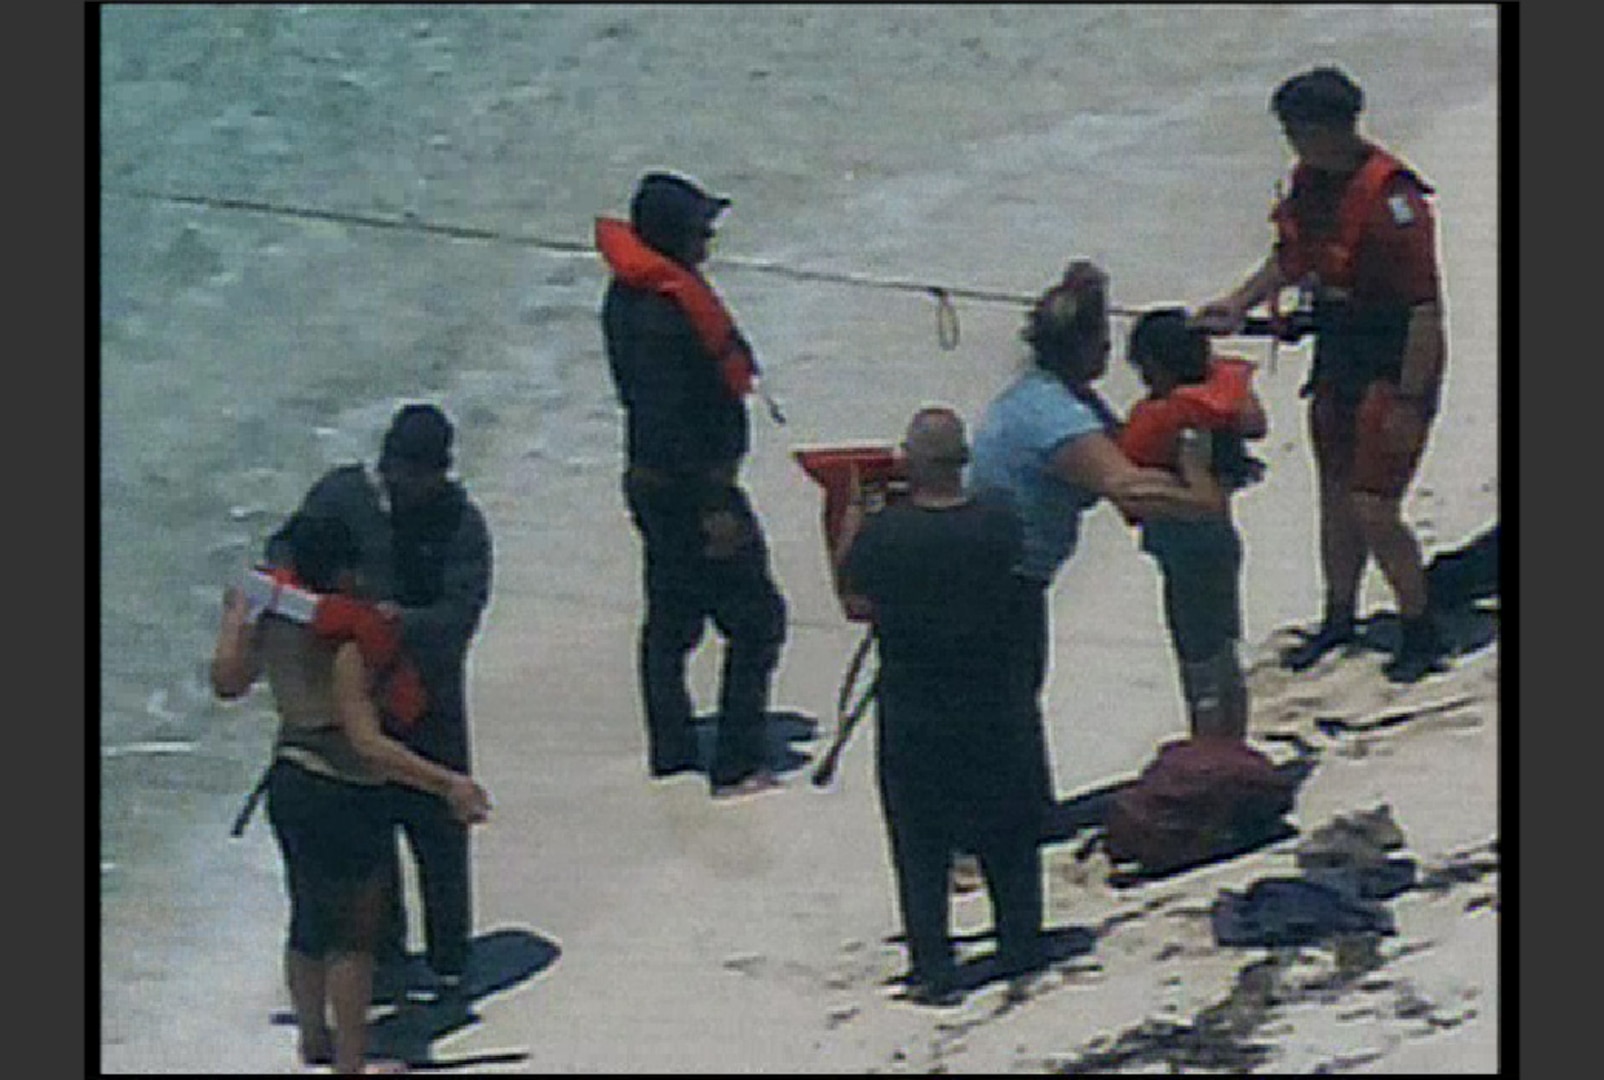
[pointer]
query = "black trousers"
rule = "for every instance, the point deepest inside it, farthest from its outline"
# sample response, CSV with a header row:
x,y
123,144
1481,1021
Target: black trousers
x,y
684,590
439,846
969,794
1036,643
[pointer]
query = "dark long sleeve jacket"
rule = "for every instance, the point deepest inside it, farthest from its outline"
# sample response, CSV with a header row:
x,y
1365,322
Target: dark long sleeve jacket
x,y
437,566
680,419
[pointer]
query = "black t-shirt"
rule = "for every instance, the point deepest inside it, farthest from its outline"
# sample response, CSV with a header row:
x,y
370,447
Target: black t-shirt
x,y
946,601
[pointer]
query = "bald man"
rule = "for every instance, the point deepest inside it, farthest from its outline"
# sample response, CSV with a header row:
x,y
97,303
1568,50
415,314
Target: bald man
x,y
959,763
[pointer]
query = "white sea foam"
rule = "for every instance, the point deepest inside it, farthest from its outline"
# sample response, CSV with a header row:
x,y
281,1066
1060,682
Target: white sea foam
x,y
150,749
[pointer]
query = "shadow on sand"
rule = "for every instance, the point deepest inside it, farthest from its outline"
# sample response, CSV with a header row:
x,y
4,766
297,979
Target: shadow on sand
x,y
1463,583
784,729
404,1028
1059,945
1463,575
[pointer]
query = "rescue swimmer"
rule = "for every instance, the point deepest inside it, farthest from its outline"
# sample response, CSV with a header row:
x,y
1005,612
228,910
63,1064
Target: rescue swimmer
x,y
1357,234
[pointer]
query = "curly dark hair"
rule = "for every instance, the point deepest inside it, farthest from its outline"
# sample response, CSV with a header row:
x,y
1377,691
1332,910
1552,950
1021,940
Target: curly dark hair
x,y
1164,338
1068,316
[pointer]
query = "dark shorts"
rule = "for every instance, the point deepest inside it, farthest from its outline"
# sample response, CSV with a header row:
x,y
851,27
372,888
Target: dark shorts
x,y
1345,427
334,838
1201,565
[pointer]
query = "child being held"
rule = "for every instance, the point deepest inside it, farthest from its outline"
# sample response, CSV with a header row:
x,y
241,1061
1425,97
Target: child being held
x,y
1191,394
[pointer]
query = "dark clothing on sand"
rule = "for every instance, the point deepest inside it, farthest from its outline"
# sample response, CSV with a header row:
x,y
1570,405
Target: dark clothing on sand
x,y
684,589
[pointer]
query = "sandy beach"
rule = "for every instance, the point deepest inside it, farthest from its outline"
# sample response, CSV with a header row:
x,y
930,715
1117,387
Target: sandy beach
x,y
639,926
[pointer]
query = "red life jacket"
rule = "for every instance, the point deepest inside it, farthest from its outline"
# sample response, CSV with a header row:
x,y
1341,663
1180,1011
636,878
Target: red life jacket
x,y
1149,435
1331,256
638,264
344,618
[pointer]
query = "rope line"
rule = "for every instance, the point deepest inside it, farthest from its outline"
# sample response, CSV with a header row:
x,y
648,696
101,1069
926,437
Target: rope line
x,y
946,314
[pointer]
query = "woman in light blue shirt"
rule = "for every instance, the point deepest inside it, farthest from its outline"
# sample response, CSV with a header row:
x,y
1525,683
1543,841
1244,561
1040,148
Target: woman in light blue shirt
x,y
1046,442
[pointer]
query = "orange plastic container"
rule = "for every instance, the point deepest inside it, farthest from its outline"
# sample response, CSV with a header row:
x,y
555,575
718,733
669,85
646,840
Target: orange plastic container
x,y
880,470
831,466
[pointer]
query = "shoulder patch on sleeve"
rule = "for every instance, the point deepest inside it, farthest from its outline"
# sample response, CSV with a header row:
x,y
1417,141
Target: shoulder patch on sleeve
x,y
1402,212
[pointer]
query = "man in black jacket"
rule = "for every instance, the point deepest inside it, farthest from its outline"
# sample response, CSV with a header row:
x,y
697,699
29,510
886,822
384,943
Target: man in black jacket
x,y
426,556
677,364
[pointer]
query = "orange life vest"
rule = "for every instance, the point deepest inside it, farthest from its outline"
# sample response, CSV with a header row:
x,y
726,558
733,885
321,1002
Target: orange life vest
x,y
344,618
1331,256
1149,435
638,264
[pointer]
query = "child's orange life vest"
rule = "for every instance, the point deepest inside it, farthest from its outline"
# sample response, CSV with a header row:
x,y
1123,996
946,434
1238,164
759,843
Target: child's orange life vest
x,y
1149,435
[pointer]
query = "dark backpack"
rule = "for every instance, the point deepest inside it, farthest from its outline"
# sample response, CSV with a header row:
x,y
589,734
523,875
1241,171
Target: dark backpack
x,y
1196,800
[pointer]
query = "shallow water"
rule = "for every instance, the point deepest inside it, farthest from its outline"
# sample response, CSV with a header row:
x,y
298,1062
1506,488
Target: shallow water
x,y
243,352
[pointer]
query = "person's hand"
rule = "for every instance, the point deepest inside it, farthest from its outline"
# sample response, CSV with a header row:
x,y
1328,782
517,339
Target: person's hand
x,y
470,803
723,475
1219,317
389,610
864,498
724,531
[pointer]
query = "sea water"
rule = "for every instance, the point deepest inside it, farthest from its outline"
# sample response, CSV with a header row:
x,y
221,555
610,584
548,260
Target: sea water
x,y
249,340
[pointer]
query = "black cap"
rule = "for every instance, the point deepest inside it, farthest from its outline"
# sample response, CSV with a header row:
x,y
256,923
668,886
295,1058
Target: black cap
x,y
1323,95
668,208
419,435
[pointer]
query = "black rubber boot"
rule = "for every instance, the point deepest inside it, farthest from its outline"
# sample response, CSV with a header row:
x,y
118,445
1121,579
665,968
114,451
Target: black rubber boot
x,y
1335,631
1420,651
